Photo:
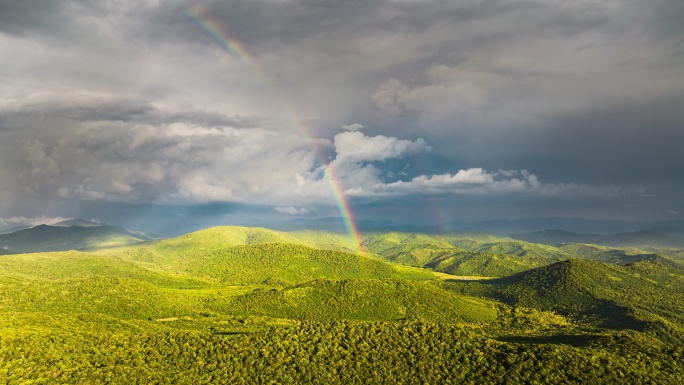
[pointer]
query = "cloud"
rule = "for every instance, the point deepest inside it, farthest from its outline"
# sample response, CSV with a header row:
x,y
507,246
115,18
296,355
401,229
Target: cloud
x,y
479,182
83,108
390,96
122,151
353,126
292,210
35,221
132,101
130,151
356,147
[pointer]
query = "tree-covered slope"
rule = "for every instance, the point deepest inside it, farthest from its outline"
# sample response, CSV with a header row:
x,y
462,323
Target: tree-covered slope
x,y
341,352
113,296
75,264
648,294
251,306
462,253
618,256
269,263
372,299
462,262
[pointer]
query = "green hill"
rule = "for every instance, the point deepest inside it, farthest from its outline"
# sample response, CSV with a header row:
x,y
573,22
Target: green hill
x,y
254,306
621,256
380,300
648,294
472,253
75,264
116,297
60,238
221,237
462,253
262,263
485,264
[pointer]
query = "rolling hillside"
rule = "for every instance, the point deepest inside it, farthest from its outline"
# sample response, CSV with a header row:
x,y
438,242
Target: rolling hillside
x,y
78,265
249,305
378,300
71,237
239,255
645,294
462,253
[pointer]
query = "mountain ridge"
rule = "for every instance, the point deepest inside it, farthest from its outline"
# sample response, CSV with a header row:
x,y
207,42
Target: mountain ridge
x,y
62,238
657,237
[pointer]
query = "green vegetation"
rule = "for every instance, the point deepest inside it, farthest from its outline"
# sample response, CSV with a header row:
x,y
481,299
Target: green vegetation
x,y
646,295
74,264
254,306
381,300
341,352
462,253
470,253
606,254
263,263
61,238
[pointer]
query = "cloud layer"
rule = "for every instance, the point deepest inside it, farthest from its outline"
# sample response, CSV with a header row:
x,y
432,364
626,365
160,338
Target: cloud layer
x,y
132,101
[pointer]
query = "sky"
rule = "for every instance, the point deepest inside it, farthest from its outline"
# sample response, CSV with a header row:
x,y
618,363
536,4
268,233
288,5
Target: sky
x,y
422,112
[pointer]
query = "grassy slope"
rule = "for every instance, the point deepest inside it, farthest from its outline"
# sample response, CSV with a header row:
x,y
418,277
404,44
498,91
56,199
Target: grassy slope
x,y
137,282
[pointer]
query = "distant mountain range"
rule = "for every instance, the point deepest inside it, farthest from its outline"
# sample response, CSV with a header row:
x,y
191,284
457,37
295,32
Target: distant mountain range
x,y
499,226
73,234
81,234
659,237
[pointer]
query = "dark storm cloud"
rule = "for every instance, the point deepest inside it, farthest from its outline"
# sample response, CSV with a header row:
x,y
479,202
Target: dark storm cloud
x,y
629,144
145,112
30,16
123,110
118,101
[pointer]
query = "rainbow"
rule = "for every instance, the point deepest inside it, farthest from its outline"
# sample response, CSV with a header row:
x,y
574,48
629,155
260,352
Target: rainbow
x,y
219,34
214,29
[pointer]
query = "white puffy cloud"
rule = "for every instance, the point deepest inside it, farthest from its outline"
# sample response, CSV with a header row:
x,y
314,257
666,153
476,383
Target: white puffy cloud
x,y
480,182
357,147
